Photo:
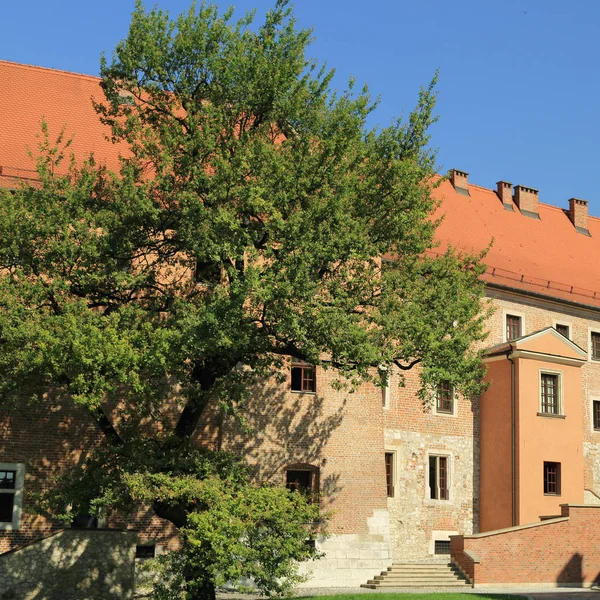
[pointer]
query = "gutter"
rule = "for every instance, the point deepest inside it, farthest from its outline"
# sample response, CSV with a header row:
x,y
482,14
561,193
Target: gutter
x,y
513,454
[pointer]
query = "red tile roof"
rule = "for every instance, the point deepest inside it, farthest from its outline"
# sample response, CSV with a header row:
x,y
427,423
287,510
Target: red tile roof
x,y
28,94
546,256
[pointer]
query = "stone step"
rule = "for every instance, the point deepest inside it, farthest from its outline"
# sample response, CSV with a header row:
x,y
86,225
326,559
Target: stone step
x,y
444,565
423,570
424,575
432,577
413,584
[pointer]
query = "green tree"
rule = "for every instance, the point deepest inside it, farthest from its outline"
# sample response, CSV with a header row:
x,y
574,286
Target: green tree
x,y
255,218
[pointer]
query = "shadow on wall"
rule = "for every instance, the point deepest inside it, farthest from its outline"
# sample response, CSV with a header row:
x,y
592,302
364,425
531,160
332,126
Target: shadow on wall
x,y
572,571
71,565
286,429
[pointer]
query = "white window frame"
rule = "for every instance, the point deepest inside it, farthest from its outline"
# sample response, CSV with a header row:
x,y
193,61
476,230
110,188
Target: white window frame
x,y
442,412
17,493
513,313
449,474
590,331
560,390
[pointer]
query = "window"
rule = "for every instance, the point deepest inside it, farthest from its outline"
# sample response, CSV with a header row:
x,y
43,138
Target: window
x,y
389,473
303,479
513,327
444,402
595,345
438,478
562,329
304,378
550,393
596,414
11,494
441,547
552,478
145,551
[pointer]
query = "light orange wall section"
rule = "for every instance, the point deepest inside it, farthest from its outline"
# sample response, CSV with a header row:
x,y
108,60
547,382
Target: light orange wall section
x,y
546,438
495,487
549,344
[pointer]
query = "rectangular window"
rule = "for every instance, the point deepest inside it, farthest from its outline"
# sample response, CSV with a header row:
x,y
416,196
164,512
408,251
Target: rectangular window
x,y
389,473
596,414
595,344
513,327
438,478
441,547
11,495
445,398
552,478
562,329
550,390
304,378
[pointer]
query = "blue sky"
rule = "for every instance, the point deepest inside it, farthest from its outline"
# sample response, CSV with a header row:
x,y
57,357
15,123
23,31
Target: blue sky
x,y
518,80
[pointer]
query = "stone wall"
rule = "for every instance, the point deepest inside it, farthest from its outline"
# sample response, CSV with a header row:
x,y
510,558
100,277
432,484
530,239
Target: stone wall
x,y
416,520
352,559
71,564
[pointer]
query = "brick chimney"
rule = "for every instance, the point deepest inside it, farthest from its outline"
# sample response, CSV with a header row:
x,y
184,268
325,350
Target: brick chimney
x,y
526,199
460,181
504,191
578,213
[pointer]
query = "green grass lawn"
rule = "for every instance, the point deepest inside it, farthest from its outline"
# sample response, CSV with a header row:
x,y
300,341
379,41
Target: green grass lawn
x,y
436,596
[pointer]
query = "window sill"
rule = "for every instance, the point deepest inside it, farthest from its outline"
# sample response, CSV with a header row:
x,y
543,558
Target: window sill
x,y
445,413
551,415
555,495
303,392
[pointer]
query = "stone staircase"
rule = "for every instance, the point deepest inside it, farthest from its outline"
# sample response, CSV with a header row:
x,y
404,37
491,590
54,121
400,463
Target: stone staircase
x,y
431,575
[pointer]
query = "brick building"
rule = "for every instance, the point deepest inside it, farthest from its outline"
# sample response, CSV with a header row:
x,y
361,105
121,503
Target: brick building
x,y
398,479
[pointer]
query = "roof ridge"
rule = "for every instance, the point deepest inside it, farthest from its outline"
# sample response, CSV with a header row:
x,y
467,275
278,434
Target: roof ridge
x,y
51,69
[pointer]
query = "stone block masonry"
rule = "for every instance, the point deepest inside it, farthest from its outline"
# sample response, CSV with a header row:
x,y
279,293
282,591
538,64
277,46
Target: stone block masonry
x,y
71,564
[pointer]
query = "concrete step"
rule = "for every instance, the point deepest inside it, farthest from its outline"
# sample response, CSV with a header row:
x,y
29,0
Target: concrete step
x,y
395,576
414,584
406,575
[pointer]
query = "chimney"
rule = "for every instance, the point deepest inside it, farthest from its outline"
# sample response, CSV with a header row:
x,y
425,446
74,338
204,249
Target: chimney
x,y
504,191
578,213
526,199
460,181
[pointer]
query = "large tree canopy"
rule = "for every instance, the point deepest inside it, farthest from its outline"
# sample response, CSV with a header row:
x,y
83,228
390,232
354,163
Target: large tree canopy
x,y
255,217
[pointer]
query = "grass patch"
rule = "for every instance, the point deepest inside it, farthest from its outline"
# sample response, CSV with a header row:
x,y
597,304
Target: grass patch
x,y
429,596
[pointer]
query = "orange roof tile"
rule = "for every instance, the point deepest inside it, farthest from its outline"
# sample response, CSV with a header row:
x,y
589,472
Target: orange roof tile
x,y
546,256
27,95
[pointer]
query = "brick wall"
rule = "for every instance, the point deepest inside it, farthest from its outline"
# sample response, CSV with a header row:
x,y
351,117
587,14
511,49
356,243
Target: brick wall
x,y
554,552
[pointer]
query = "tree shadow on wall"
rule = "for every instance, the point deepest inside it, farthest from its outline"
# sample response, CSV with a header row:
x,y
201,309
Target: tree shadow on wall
x,y
284,429
572,572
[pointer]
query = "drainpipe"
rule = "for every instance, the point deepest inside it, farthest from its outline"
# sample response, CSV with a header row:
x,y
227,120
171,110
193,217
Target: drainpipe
x,y
513,454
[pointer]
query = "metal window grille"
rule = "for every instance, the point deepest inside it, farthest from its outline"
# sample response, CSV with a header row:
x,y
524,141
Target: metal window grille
x,y
549,393
513,327
441,547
